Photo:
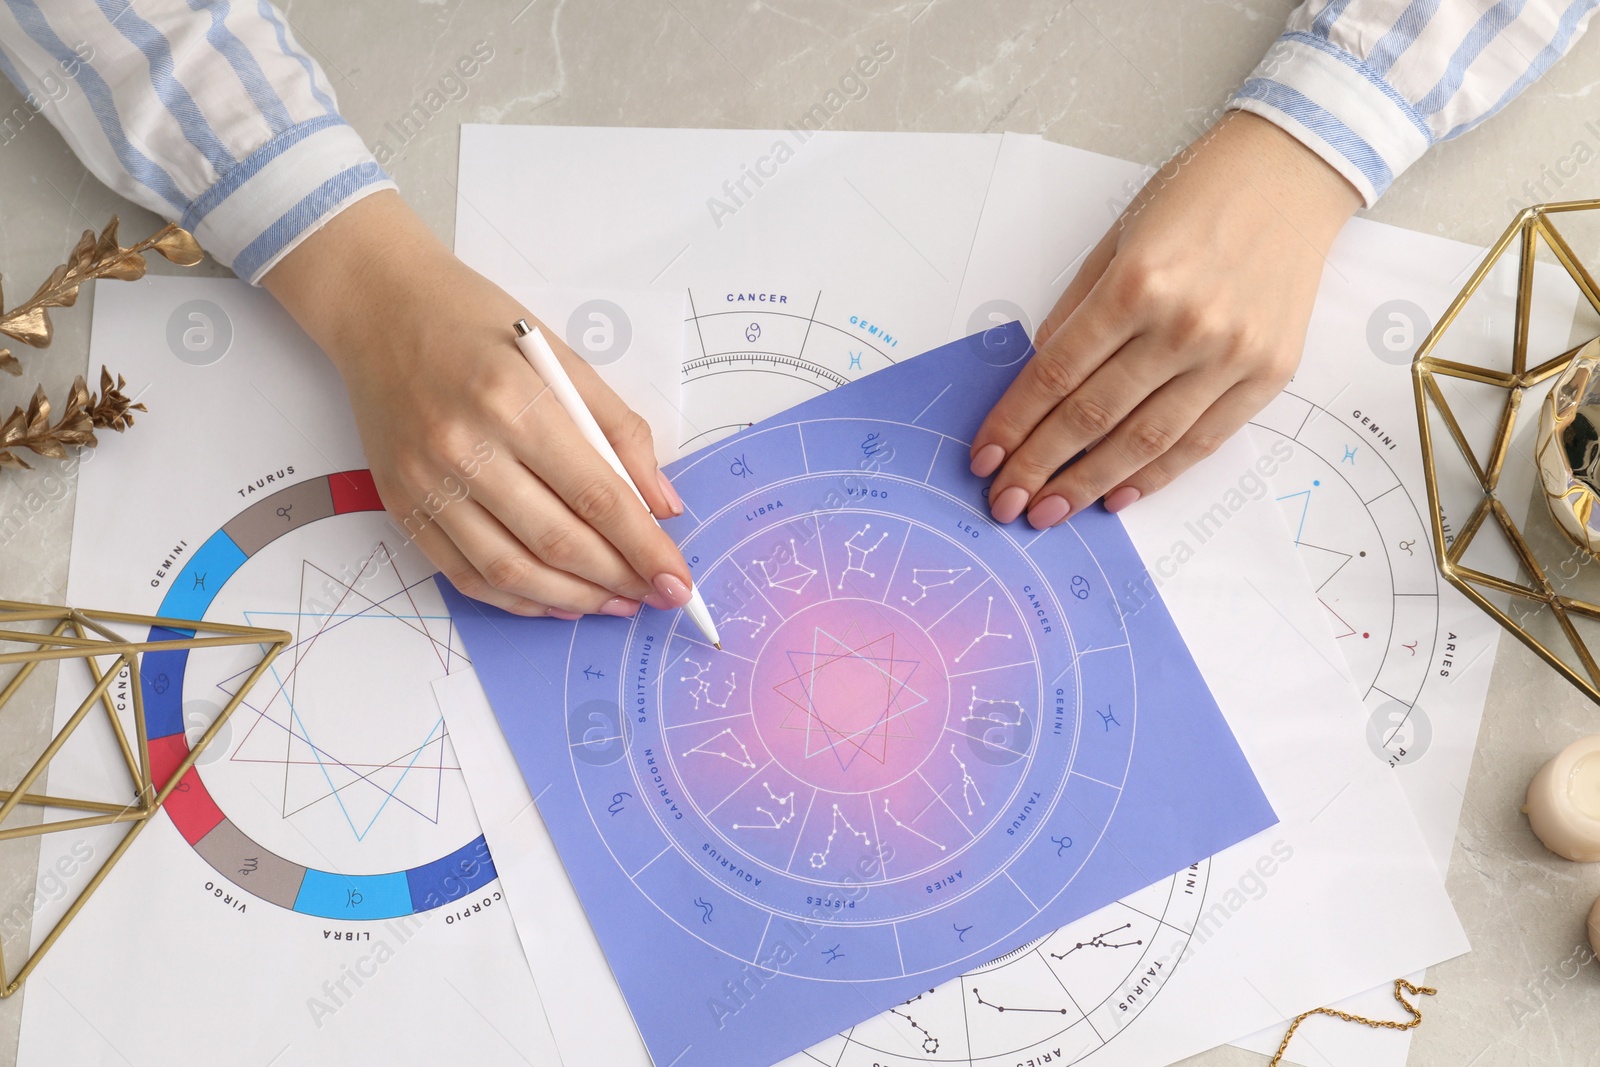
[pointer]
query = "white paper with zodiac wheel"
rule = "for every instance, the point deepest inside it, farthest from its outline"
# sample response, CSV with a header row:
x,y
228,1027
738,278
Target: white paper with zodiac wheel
x,y
1419,653
319,880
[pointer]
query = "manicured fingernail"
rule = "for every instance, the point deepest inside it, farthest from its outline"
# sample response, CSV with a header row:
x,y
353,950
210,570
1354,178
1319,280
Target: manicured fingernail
x,y
672,590
565,616
1048,512
1009,504
620,606
1118,499
654,601
674,501
988,460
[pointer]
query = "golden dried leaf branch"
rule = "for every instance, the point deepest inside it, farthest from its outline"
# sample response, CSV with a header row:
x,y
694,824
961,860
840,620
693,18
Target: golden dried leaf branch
x,y
30,428
94,256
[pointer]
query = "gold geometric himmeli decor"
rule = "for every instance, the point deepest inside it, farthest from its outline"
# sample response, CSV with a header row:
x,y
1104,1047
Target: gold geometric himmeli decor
x,y
1479,379
87,637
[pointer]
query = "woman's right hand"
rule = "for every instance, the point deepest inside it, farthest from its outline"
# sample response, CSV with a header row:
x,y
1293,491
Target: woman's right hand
x,y
471,453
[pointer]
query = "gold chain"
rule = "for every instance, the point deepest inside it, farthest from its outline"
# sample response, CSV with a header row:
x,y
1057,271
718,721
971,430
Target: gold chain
x,y
1377,1024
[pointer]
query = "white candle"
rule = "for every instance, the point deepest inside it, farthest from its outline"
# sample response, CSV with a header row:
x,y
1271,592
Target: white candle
x,y
1563,804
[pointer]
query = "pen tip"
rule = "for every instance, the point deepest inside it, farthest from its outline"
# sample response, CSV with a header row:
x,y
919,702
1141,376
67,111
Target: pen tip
x,y
718,644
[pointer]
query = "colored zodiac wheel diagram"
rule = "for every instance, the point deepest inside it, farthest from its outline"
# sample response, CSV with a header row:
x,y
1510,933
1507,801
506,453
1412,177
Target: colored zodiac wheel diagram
x,y
197,816
898,707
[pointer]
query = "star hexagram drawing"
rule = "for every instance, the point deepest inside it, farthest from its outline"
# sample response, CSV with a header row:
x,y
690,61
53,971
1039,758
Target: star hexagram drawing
x,y
850,694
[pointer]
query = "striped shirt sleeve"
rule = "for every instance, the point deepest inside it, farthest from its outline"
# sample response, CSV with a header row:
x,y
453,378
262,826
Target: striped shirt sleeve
x,y
1369,85
207,112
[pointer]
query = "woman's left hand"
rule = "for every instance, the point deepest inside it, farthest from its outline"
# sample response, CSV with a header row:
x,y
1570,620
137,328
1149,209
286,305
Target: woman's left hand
x,y
1186,319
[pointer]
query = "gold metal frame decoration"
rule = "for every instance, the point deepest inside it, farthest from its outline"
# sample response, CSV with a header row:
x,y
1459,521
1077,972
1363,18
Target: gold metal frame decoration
x,y
1537,593
88,637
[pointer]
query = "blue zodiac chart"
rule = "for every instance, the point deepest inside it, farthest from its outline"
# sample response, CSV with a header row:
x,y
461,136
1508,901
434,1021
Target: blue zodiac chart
x,y
926,739
307,733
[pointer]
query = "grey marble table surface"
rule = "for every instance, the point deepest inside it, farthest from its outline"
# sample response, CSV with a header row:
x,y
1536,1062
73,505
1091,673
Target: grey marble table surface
x,y
1132,78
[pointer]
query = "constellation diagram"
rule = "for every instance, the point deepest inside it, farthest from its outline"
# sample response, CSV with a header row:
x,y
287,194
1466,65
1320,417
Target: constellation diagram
x,y
775,821
988,620
756,625
721,744
930,1044
785,570
993,710
1001,1007
701,693
1361,537
930,578
969,784
820,859
1099,941
857,552
907,828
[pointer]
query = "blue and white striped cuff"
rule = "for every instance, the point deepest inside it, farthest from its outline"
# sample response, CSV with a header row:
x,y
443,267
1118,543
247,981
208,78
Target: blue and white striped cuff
x,y
281,193
1336,106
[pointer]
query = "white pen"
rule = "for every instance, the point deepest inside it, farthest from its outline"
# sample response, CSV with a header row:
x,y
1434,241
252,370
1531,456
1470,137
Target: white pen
x,y
547,366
